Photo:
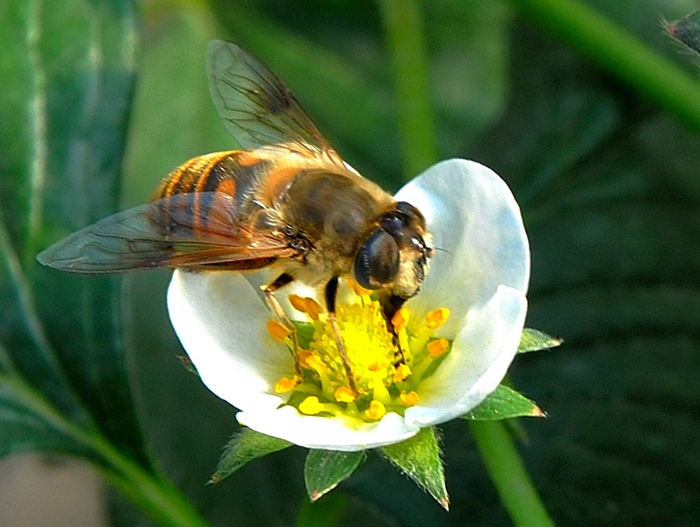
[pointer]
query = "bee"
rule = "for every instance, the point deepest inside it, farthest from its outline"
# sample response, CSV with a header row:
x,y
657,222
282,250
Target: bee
x,y
287,202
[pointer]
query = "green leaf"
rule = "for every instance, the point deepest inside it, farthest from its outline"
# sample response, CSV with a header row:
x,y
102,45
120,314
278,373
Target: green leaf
x,y
29,423
687,31
326,469
67,74
419,459
535,340
504,403
243,448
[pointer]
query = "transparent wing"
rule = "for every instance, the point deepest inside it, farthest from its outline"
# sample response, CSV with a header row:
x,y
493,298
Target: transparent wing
x,y
186,230
256,107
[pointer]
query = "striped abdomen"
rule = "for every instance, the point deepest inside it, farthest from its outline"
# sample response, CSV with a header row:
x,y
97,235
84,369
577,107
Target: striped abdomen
x,y
215,191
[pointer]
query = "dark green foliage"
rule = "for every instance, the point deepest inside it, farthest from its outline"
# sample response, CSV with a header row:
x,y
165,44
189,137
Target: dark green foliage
x,y
67,74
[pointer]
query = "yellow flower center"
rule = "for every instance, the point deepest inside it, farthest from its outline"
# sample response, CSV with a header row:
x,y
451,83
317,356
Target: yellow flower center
x,y
388,364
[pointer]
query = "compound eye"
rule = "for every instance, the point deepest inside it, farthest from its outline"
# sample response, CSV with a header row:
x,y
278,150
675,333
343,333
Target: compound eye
x,y
377,261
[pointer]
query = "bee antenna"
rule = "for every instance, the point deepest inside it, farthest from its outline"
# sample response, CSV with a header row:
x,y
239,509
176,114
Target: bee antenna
x,y
442,250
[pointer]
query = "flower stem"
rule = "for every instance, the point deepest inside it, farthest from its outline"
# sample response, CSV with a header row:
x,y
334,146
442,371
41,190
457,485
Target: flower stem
x,y
509,475
403,24
620,53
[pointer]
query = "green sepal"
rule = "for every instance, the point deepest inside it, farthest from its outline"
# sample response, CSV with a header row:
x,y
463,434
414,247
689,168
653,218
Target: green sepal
x,y
535,340
419,459
243,448
504,403
687,31
326,469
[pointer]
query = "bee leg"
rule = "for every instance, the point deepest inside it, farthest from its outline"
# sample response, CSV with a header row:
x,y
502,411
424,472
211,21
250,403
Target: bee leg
x,y
269,290
390,306
331,293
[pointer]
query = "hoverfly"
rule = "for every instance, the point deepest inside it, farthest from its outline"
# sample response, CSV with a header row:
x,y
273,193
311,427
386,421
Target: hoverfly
x,y
287,202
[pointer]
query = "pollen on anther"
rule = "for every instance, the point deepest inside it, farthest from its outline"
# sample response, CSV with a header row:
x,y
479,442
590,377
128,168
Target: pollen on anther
x,y
376,410
297,303
313,308
285,385
409,398
303,356
400,319
358,289
311,406
344,395
314,362
437,347
402,372
437,317
278,331
377,365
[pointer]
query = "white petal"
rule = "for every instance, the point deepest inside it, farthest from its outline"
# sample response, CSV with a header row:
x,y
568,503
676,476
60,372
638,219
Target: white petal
x,y
328,433
474,218
480,357
222,324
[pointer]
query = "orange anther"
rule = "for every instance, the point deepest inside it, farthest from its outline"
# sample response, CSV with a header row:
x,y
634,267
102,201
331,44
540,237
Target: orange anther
x,y
285,385
277,330
400,319
437,347
402,372
376,410
297,303
437,317
409,398
344,395
313,308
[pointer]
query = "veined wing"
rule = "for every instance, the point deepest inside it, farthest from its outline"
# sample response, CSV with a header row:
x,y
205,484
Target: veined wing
x,y
255,105
197,230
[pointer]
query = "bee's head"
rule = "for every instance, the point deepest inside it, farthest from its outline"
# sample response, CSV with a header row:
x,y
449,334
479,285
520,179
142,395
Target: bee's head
x,y
394,255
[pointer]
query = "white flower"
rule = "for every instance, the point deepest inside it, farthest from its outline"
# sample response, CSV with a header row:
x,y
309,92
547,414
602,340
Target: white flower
x,y
479,273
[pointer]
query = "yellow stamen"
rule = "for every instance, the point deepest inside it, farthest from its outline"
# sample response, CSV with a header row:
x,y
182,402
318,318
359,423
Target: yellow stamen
x,y
344,395
277,330
377,365
437,347
357,289
311,406
303,357
388,360
286,385
409,399
313,308
400,319
402,372
314,362
437,317
298,303
375,411
403,341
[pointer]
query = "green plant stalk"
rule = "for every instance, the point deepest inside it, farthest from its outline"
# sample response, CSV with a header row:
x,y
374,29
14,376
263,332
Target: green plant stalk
x,y
509,475
403,25
152,493
624,56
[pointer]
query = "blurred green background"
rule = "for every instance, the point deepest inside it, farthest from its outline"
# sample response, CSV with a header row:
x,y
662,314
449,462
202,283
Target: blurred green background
x,y
609,187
